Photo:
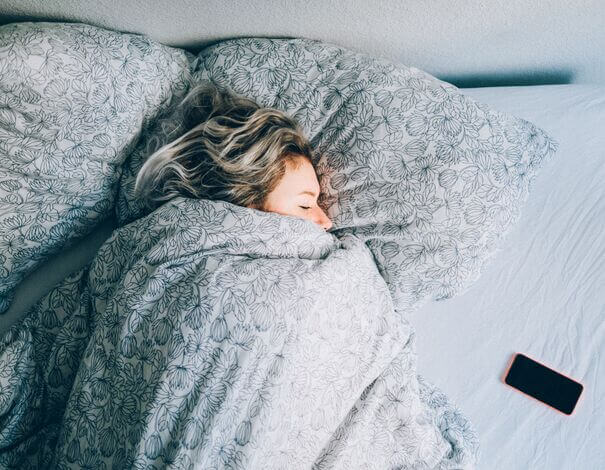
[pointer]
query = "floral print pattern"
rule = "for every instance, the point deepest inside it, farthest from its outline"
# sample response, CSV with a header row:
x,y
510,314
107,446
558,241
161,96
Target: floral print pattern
x,y
209,335
203,334
74,99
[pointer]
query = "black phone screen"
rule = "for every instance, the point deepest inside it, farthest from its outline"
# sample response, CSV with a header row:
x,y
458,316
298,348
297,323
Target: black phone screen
x,y
544,384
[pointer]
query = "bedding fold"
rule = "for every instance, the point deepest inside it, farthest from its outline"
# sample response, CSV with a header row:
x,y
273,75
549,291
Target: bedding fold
x,y
209,335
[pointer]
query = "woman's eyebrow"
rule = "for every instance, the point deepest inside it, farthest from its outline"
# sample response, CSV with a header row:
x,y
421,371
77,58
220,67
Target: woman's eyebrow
x,y
307,192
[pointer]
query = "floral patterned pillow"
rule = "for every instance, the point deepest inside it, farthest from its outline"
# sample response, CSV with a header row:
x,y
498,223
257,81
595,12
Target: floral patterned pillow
x,y
430,178
73,101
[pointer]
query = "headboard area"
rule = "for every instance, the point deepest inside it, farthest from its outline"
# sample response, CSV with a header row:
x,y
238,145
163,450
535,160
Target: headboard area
x,y
468,43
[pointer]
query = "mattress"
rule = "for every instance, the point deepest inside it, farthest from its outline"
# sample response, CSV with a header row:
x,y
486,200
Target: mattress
x,y
541,295
538,295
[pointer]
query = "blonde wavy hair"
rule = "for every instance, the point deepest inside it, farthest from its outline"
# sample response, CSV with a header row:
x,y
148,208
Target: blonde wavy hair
x,y
232,149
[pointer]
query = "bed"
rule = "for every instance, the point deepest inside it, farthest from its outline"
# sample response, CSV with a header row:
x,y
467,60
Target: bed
x,y
538,295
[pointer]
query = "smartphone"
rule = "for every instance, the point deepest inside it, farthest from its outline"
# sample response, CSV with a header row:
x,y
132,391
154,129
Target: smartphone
x,y
543,383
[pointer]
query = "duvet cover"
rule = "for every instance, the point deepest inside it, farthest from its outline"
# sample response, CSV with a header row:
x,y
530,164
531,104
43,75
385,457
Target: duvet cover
x,y
212,336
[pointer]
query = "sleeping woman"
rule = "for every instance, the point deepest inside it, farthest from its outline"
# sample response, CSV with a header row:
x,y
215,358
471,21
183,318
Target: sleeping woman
x,y
208,335
236,151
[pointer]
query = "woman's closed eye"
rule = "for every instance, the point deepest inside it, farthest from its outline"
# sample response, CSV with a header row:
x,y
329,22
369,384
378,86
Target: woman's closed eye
x,y
304,207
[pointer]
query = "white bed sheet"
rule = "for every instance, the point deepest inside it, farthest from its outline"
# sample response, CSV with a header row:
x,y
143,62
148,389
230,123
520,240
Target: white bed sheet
x,y
542,295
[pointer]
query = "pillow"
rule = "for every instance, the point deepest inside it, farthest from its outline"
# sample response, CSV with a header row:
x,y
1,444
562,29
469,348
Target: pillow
x,y
73,101
430,178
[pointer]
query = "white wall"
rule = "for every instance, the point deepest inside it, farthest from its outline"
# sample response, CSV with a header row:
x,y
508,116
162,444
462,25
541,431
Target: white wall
x,y
468,42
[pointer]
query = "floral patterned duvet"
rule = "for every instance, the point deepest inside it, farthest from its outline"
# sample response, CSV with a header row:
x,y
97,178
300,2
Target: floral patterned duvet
x,y
212,336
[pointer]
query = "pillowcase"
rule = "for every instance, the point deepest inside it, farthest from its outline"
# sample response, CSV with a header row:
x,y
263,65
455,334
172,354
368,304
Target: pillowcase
x,y
73,103
430,178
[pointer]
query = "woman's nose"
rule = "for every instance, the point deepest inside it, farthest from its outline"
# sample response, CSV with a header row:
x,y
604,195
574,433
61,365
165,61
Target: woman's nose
x,y
323,220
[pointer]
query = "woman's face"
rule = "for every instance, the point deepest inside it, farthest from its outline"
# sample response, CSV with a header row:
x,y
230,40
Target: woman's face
x,y
297,192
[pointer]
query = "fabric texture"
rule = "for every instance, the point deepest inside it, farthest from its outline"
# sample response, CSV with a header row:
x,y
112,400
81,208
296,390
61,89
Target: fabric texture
x,y
74,99
429,178
209,335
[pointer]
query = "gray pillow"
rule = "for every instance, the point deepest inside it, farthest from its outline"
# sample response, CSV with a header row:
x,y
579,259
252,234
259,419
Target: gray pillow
x,y
74,99
430,178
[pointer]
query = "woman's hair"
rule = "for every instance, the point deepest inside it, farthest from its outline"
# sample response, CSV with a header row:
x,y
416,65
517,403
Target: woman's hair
x,y
231,149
